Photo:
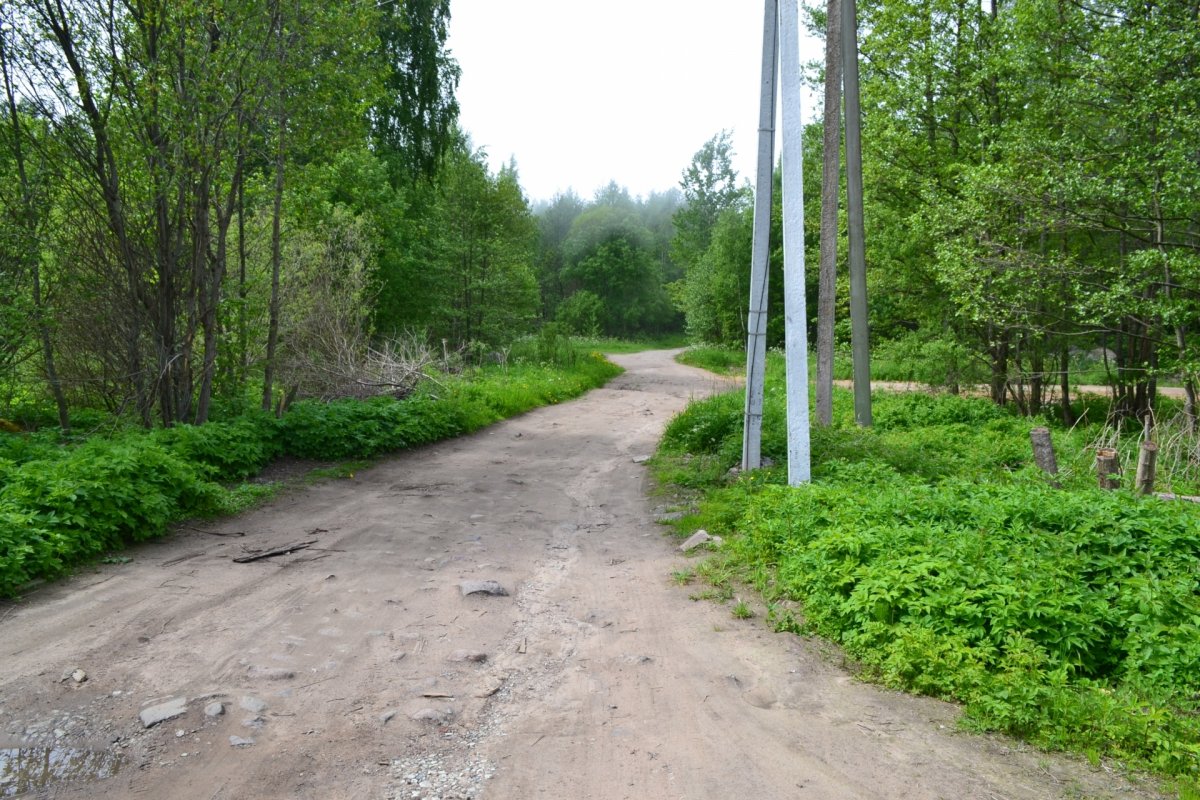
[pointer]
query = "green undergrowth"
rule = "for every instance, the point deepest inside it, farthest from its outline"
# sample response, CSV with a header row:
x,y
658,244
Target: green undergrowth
x,y
721,360
605,344
65,503
940,560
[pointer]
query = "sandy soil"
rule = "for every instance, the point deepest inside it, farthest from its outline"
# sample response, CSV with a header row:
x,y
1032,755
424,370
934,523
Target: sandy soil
x,y
358,669
1174,392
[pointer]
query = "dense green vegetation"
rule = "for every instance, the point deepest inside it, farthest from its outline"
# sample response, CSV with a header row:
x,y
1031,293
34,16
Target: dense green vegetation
x,y
1032,200
721,360
209,201
61,505
605,267
935,553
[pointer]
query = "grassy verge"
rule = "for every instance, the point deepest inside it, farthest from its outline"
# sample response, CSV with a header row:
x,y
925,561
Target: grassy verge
x,y
62,505
937,556
608,345
720,360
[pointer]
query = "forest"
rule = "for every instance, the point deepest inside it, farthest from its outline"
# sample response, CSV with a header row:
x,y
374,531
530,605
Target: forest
x,y
210,202
237,229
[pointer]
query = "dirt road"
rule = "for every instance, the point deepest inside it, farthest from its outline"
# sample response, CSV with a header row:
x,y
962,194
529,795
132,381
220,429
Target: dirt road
x,y
358,668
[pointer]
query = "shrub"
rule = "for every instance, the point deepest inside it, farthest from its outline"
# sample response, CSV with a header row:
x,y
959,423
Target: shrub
x,y
932,551
229,451
55,513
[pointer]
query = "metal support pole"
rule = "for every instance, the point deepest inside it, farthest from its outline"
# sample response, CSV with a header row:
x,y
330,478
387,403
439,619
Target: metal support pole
x,y
756,322
795,311
859,329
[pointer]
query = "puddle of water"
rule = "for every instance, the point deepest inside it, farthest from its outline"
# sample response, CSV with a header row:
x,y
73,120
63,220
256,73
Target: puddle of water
x,y
24,769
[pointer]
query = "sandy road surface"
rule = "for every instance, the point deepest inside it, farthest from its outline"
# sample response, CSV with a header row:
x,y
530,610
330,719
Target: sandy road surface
x,y
355,669
1173,392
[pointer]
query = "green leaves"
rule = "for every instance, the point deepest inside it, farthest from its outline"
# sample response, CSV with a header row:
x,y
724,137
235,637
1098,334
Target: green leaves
x,y
929,551
609,253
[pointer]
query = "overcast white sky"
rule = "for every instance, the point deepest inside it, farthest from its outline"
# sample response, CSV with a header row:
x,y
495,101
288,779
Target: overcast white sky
x,y
581,93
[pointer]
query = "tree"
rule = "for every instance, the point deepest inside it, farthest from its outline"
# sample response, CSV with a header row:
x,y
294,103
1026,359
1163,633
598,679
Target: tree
x,y
415,121
24,303
554,225
610,254
710,188
830,191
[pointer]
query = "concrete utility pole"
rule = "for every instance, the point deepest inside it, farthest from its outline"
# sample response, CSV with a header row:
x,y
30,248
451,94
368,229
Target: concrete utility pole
x,y
859,332
795,311
756,322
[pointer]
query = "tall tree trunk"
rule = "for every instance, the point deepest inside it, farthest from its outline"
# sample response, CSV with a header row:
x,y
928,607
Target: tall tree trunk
x,y
998,346
243,289
1064,383
29,223
1037,378
856,263
209,311
276,215
830,184
102,163
276,256
1179,329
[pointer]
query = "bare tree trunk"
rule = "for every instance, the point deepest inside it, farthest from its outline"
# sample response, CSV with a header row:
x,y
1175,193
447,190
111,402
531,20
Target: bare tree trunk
x,y
209,317
243,290
830,185
860,325
276,220
998,347
1064,383
276,256
1179,330
28,221
1037,378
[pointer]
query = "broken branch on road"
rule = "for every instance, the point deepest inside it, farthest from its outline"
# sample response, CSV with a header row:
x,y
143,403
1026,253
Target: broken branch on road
x,y
278,551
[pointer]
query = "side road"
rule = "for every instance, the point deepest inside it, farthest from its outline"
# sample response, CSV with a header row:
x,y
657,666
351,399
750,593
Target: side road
x,y
489,617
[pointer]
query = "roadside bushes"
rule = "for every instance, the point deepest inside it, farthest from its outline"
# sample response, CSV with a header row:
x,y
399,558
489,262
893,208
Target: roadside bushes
x,y
363,428
1069,618
360,429
56,512
61,505
226,451
945,564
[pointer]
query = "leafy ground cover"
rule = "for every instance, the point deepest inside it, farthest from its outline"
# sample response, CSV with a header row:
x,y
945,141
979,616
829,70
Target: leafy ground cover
x,y
62,504
938,557
720,360
604,344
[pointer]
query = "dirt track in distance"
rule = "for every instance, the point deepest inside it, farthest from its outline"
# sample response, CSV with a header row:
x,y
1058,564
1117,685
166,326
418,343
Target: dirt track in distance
x,y
359,669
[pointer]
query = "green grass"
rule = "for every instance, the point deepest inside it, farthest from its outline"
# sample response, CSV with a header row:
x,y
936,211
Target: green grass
x,y
668,341
720,360
937,556
741,610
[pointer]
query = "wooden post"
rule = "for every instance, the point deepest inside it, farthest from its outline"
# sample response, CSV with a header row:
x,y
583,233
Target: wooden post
x,y
1147,457
1108,469
1043,453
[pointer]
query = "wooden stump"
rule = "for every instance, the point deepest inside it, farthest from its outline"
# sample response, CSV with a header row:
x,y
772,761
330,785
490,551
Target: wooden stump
x,y
1147,457
1043,453
1108,469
